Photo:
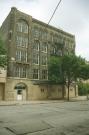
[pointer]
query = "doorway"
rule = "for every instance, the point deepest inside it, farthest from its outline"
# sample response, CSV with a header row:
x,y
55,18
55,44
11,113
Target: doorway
x,y
19,95
21,92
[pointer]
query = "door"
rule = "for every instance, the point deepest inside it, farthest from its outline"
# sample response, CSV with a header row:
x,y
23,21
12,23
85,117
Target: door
x,y
21,92
19,95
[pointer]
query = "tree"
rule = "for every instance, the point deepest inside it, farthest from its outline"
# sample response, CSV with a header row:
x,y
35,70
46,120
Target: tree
x,y
3,58
55,72
54,69
71,69
84,72
84,76
83,88
65,69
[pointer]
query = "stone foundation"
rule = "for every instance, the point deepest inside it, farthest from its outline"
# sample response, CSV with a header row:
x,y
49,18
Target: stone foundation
x,y
33,91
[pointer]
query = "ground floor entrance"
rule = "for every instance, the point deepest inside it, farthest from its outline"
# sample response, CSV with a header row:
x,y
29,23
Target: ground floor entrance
x,y
17,89
19,95
21,92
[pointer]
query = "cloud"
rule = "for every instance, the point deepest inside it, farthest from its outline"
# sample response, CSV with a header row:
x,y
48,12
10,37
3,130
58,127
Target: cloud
x,y
83,42
31,0
72,16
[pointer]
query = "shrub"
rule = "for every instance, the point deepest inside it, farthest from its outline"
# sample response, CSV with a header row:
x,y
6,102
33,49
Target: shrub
x,y
83,89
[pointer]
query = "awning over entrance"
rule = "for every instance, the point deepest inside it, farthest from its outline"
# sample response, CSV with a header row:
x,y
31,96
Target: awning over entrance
x,y
20,86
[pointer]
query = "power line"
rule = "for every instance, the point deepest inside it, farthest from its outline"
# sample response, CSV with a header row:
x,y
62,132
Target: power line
x,y
55,11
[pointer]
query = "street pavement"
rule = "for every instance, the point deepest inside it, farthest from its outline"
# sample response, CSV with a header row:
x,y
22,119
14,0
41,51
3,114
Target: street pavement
x,y
45,118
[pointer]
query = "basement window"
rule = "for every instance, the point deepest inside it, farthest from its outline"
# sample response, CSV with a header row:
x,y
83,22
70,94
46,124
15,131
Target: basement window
x,y
42,90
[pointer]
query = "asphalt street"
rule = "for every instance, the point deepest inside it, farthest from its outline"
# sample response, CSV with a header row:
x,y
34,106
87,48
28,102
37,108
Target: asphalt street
x,y
51,118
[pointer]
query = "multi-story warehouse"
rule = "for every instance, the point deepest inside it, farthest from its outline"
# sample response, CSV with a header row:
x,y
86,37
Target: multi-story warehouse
x,y
30,43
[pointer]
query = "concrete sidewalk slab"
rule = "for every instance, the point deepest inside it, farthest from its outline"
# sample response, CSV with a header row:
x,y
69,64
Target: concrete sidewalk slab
x,y
5,132
79,98
29,127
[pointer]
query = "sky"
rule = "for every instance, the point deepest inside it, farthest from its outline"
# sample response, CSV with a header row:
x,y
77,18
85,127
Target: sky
x,y
72,16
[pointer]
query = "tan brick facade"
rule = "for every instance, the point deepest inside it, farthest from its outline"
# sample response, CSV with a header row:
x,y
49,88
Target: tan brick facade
x,y
30,44
34,91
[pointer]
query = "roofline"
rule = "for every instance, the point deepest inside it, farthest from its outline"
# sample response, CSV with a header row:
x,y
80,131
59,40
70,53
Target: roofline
x,y
46,25
43,23
52,27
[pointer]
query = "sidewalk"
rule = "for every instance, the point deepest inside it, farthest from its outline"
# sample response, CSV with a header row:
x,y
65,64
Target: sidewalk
x,y
79,98
11,103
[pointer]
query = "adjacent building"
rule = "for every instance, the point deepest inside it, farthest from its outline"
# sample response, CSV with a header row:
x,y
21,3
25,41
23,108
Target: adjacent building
x,y
30,44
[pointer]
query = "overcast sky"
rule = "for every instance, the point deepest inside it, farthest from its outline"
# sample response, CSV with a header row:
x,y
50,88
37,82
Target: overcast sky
x,y
71,16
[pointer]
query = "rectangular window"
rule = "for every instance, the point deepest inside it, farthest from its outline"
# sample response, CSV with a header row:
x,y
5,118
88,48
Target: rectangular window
x,y
24,56
18,55
44,35
51,37
36,32
35,74
36,45
22,27
25,28
44,60
44,74
21,55
19,27
21,41
21,72
17,72
44,47
55,38
25,42
36,59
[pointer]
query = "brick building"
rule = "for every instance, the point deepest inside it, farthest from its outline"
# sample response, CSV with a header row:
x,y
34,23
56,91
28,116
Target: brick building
x,y
30,43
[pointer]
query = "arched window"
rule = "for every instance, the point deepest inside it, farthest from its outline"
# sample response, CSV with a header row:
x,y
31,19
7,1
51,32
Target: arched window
x,y
22,26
